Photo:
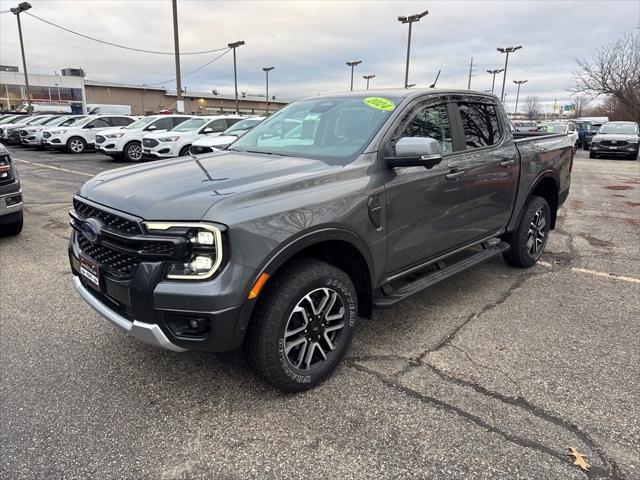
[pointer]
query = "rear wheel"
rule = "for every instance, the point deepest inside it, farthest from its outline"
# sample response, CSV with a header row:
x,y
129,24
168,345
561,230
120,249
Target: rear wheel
x,y
133,151
76,145
527,242
303,325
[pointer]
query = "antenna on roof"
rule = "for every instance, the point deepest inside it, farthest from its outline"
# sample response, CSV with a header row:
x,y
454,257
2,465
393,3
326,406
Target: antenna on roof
x,y
433,85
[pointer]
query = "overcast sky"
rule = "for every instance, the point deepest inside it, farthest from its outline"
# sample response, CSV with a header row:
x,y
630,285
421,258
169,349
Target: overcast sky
x,y
308,42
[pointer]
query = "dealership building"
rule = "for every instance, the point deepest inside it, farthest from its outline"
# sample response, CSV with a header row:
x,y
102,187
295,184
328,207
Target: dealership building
x,y
71,88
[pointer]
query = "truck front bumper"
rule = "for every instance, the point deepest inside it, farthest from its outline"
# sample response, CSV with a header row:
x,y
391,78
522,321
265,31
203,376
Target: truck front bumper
x,y
145,332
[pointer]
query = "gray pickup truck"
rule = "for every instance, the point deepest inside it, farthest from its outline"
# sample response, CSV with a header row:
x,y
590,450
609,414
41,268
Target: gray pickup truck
x,y
333,206
10,196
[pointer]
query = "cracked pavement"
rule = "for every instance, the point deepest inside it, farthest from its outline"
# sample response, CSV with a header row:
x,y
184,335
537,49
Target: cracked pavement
x,y
493,373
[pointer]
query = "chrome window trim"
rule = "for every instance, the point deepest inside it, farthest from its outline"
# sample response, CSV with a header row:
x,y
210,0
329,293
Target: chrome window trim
x,y
217,236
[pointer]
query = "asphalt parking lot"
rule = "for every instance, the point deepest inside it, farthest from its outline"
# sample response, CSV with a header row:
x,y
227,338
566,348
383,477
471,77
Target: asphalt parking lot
x,y
494,373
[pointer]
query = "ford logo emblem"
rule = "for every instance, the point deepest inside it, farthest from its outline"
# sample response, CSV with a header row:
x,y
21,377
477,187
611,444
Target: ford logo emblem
x,y
90,229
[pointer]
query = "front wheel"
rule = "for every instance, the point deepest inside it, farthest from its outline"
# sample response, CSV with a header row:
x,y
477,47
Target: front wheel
x,y
133,152
76,145
303,325
527,242
12,229
592,155
185,151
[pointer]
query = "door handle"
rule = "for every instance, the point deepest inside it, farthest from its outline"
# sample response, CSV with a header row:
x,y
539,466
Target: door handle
x,y
507,163
454,176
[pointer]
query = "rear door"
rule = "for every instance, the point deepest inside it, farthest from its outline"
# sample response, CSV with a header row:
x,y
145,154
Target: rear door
x,y
492,162
425,207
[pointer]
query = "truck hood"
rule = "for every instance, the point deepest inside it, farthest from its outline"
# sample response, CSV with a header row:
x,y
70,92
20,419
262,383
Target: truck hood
x,y
619,137
184,188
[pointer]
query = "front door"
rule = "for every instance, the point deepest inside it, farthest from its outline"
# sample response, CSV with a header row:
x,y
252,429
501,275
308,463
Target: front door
x,y
425,206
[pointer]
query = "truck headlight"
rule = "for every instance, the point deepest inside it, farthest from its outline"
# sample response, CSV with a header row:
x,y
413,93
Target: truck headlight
x,y
205,256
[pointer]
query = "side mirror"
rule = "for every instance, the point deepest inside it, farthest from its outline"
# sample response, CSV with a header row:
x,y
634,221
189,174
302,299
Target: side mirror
x,y
151,128
416,152
207,130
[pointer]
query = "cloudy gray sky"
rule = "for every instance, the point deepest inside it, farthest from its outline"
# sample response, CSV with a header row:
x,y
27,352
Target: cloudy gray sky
x,y
309,42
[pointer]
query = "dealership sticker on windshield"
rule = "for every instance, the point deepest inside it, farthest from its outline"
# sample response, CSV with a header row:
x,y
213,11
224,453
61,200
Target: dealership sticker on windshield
x,y
379,103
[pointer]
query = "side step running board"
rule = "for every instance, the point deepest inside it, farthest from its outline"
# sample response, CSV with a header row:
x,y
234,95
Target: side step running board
x,y
394,296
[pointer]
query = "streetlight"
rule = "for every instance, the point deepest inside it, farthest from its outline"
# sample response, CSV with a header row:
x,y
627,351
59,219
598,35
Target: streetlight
x,y
494,72
410,19
367,78
23,7
355,63
506,50
518,82
266,70
235,45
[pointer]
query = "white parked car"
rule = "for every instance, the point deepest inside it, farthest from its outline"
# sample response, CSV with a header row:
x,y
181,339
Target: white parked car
x,y
5,128
32,135
126,142
568,128
176,142
226,138
81,135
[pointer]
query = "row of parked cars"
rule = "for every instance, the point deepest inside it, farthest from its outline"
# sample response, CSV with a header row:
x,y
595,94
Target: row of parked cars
x,y
127,137
619,139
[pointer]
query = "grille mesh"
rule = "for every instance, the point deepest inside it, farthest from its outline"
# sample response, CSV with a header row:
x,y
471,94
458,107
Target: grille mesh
x,y
112,221
116,263
150,142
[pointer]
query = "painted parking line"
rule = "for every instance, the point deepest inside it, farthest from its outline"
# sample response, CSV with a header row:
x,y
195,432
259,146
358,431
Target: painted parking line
x,y
54,168
596,273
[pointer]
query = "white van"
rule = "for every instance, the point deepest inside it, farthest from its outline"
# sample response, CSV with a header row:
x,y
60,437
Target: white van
x,y
99,109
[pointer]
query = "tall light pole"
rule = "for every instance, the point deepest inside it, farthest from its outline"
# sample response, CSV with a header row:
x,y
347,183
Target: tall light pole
x,y
176,48
235,45
367,78
23,7
266,70
518,82
506,50
355,63
410,20
494,72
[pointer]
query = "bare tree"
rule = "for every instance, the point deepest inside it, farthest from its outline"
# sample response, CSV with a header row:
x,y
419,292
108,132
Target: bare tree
x,y
614,71
611,108
532,107
581,101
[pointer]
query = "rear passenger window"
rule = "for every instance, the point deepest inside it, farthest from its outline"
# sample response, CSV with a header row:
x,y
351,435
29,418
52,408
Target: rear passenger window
x,y
232,121
433,122
217,125
480,123
178,120
119,121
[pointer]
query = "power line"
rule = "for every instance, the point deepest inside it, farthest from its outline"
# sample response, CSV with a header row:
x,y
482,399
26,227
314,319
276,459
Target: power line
x,y
192,71
155,52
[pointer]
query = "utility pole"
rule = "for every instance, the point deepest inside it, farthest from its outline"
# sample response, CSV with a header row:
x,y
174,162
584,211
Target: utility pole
x,y
176,48
410,20
355,63
494,72
23,7
266,70
506,50
518,82
235,45
367,78
470,72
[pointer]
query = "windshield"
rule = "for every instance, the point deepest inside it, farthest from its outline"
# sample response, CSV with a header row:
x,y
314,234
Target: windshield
x,y
23,120
554,127
140,124
242,125
9,119
189,125
594,128
334,130
46,121
619,128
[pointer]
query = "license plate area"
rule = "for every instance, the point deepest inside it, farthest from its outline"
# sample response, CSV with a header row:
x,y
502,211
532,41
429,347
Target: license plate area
x,y
91,273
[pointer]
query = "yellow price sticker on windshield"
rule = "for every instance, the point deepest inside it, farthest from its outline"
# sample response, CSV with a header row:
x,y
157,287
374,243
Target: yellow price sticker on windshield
x,y
379,103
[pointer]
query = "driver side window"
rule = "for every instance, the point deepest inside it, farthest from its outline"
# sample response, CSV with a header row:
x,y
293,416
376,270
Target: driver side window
x,y
431,121
98,123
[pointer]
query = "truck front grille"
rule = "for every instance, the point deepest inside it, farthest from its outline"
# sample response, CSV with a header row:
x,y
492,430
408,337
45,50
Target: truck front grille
x,y
115,263
114,222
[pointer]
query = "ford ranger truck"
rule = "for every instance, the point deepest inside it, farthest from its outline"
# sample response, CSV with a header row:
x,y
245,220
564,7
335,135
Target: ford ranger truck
x,y
333,206
11,217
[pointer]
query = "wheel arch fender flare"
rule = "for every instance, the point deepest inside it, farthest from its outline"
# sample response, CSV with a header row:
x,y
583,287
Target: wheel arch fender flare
x,y
541,177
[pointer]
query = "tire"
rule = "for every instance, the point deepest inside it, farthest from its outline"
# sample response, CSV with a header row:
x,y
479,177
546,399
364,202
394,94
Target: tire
x,y
185,151
633,156
12,229
318,290
132,152
76,145
592,155
527,242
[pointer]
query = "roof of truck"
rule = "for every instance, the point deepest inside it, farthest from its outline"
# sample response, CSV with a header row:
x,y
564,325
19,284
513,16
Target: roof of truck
x,y
402,93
